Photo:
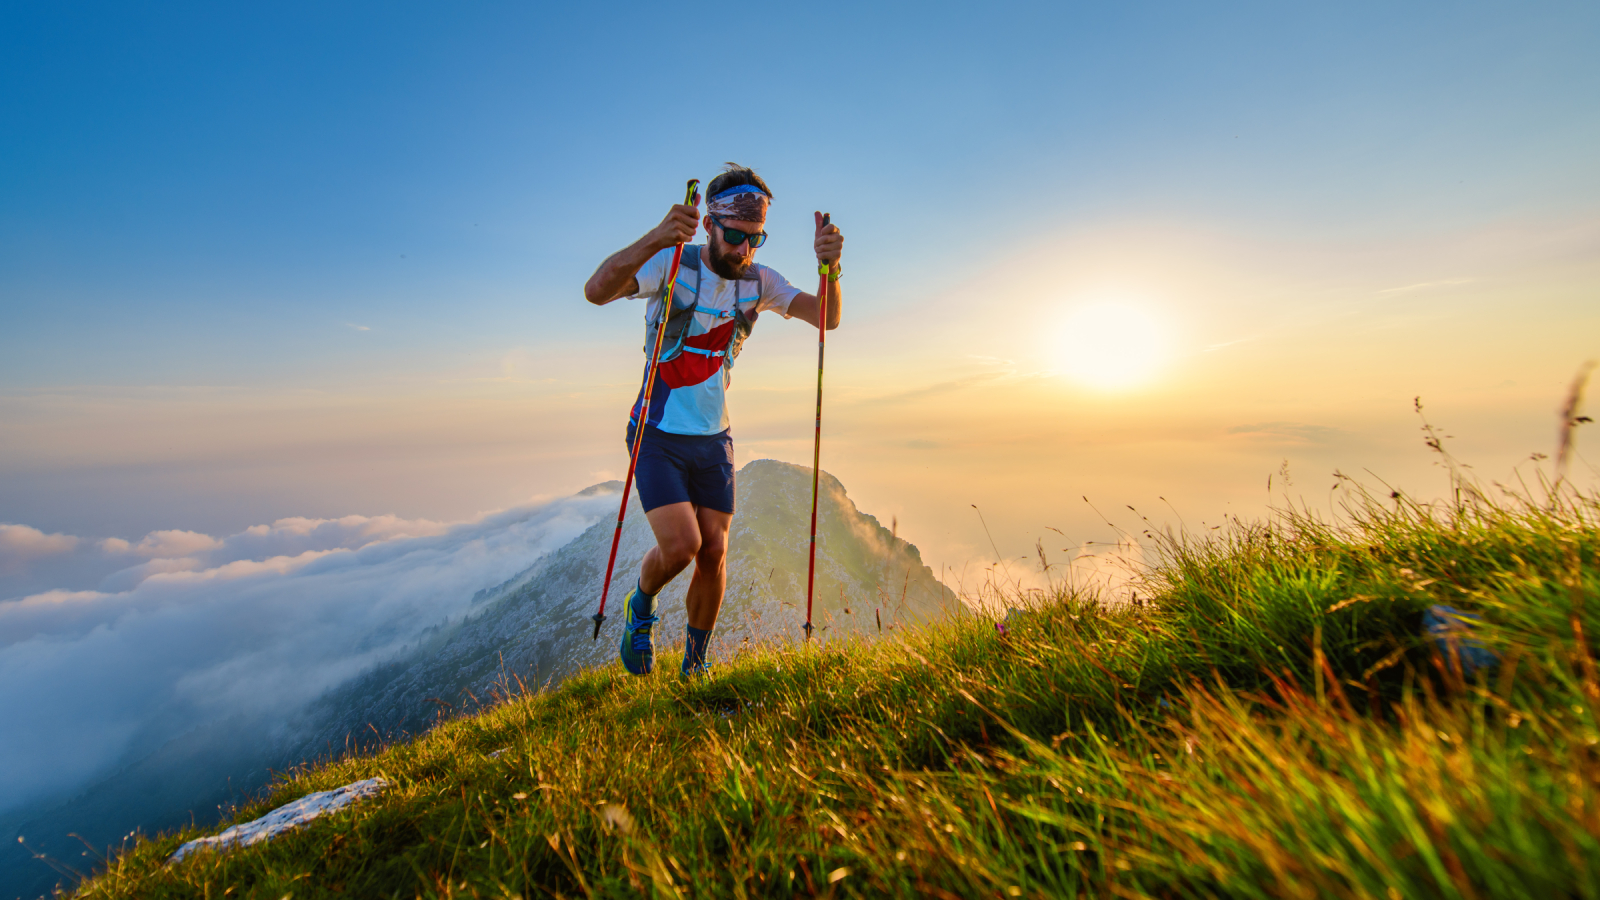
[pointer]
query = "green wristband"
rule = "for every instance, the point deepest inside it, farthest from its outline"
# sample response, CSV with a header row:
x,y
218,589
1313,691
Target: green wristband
x,y
825,269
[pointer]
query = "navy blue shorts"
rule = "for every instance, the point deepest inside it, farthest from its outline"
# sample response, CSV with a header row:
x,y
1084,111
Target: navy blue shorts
x,y
684,468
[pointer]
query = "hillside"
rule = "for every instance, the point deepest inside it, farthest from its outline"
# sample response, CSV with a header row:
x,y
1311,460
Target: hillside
x,y
1275,724
535,629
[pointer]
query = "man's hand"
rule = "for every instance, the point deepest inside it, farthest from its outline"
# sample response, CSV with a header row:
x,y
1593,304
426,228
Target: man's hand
x,y
829,243
677,228
618,275
806,307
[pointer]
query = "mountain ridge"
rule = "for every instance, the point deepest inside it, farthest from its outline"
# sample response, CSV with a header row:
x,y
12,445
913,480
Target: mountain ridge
x,y
535,629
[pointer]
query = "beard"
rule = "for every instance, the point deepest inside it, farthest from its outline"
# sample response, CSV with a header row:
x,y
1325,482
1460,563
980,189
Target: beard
x,y
730,266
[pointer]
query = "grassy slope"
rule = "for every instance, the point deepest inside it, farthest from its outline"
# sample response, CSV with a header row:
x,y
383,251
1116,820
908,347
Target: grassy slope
x,y
1272,726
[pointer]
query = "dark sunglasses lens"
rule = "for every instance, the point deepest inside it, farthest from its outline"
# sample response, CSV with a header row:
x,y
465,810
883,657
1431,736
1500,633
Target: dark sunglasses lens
x,y
735,237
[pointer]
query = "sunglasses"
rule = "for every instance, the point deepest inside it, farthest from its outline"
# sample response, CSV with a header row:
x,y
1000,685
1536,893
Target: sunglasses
x,y
735,237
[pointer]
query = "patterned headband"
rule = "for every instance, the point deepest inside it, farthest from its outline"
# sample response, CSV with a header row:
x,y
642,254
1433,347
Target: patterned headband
x,y
745,203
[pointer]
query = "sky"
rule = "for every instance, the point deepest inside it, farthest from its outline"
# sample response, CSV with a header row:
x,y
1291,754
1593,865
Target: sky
x,y
316,261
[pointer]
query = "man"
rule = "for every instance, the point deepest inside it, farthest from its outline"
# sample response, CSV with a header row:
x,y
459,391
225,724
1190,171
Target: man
x,y
685,465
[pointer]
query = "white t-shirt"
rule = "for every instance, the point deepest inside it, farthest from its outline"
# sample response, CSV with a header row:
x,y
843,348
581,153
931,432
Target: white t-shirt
x,y
687,399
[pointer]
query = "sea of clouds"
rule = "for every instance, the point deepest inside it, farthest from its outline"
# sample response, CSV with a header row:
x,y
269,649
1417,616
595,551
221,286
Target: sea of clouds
x,y
110,647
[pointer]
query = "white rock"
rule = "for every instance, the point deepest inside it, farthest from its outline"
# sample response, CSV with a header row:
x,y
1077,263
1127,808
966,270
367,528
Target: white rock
x,y
284,818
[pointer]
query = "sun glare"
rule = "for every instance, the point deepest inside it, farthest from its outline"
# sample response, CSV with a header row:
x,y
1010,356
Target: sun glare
x,y
1110,345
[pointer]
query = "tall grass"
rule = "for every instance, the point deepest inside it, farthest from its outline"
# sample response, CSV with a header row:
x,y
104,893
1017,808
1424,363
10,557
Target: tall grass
x,y
1274,723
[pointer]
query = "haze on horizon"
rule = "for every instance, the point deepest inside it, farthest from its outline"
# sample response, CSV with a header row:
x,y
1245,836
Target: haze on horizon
x,y
308,262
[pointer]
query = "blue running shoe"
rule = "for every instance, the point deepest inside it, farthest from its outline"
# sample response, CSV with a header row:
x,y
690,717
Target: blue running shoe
x,y
638,652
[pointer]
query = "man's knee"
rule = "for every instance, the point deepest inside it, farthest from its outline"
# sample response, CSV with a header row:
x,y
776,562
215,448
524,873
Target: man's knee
x,y
713,553
680,549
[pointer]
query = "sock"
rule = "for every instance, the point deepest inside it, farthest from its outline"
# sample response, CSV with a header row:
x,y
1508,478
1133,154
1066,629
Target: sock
x,y
694,649
644,605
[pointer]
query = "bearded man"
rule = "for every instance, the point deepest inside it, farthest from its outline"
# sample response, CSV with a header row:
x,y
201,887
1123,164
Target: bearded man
x,y
685,464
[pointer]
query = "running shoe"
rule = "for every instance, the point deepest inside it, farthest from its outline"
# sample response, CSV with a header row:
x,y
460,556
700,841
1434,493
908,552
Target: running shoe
x,y
638,652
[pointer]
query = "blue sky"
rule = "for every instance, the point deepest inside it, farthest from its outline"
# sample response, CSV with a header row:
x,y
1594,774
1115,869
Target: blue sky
x,y
393,199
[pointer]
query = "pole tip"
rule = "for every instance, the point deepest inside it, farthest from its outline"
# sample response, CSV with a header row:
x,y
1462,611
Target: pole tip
x,y
807,627
598,618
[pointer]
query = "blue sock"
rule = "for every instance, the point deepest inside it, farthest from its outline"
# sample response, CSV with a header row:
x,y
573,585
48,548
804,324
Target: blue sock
x,y
694,649
644,605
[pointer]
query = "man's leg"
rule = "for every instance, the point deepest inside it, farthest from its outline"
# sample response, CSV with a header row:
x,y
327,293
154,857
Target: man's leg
x,y
678,541
711,487
710,568
704,599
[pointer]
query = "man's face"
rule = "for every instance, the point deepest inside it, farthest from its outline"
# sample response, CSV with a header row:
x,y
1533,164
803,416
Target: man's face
x,y
726,260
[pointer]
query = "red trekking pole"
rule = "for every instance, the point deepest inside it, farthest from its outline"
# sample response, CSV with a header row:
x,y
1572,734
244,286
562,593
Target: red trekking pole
x,y
691,197
816,452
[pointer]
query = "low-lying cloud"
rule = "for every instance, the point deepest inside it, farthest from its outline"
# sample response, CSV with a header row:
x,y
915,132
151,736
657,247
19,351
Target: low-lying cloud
x,y
32,561
179,628
20,544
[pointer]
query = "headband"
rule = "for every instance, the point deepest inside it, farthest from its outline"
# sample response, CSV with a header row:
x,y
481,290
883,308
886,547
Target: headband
x,y
745,203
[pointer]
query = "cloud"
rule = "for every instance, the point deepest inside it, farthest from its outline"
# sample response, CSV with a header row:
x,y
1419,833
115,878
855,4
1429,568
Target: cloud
x,y
299,535
129,578
21,543
1287,432
162,544
256,624
31,561
358,327
44,612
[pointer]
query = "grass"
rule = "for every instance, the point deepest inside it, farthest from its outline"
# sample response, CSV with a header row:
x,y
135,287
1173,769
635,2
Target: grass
x,y
1272,724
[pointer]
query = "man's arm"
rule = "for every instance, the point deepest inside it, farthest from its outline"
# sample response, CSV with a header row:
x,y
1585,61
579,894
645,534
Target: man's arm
x,y
829,245
617,276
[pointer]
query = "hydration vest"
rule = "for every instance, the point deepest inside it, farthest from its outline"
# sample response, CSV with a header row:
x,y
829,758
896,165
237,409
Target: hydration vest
x,y
686,302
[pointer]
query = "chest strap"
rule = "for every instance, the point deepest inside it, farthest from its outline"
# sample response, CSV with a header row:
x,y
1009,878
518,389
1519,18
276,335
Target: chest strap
x,y
704,352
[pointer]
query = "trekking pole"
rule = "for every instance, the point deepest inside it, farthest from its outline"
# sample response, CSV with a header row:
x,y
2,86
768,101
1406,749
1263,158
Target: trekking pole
x,y
690,198
816,451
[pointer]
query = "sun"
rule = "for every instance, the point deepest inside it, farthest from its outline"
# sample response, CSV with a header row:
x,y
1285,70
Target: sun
x,y
1110,345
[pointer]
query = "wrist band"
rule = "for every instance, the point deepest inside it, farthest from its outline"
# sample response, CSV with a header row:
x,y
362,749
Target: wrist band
x,y
825,269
